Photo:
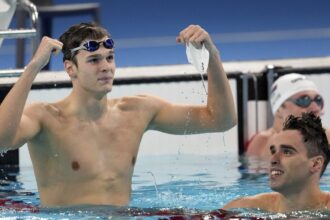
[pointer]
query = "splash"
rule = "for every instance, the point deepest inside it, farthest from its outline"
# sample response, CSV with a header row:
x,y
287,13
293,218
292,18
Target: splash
x,y
155,183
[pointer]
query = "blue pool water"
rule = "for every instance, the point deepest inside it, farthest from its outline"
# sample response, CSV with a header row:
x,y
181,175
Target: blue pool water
x,y
164,187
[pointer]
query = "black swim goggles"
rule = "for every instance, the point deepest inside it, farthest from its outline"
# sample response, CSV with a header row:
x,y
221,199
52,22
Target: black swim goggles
x,y
93,45
304,101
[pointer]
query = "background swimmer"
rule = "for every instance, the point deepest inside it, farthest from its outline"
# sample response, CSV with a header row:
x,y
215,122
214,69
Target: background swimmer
x,y
291,94
299,155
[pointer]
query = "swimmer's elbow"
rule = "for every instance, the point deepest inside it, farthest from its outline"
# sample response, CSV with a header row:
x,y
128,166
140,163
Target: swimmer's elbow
x,y
222,120
5,142
4,147
226,122
8,143
231,122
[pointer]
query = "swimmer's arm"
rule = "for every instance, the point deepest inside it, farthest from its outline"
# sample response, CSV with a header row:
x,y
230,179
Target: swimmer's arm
x,y
216,116
28,127
12,121
11,110
219,111
220,103
183,119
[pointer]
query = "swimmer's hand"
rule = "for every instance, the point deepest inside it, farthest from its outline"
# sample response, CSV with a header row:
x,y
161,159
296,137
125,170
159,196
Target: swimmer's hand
x,y
46,48
197,36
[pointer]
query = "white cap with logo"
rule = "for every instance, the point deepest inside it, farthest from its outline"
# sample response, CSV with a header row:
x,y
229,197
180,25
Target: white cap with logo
x,y
287,86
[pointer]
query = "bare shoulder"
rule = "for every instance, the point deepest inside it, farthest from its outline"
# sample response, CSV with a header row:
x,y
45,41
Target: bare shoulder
x,y
35,108
42,110
265,134
263,201
259,142
142,102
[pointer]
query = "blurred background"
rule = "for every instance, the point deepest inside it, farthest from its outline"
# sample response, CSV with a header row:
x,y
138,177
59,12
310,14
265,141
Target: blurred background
x,y
145,30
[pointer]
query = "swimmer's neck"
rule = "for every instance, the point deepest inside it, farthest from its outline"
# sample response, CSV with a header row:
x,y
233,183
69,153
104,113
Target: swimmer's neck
x,y
85,107
308,200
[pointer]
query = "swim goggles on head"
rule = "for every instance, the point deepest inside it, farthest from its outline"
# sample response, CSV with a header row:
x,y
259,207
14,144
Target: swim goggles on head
x,y
93,45
304,101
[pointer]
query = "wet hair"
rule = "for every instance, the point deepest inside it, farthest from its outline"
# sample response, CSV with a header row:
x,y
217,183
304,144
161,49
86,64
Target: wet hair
x,y
314,137
76,34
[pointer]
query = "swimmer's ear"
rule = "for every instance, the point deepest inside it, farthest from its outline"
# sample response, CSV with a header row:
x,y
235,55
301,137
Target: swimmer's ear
x,y
70,68
317,164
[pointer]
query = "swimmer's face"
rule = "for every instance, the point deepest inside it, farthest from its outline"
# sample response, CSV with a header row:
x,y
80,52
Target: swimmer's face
x,y
95,69
291,106
289,165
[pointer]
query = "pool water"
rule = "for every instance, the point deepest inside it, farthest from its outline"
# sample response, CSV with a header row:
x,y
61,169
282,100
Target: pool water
x,y
164,187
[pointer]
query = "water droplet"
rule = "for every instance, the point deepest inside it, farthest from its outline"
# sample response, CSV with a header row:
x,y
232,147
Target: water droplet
x,y
155,183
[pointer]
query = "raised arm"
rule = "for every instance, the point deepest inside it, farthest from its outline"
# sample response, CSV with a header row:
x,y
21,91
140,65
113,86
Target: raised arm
x,y
218,114
17,127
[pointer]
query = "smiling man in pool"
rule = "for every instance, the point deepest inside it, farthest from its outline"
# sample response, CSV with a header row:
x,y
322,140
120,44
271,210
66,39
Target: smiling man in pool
x,y
84,147
300,155
291,94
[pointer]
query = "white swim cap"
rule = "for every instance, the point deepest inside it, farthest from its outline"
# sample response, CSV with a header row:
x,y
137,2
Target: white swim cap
x,y
287,86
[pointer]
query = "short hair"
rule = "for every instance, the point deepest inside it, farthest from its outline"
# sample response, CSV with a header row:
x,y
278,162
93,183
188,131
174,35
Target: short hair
x,y
76,34
314,136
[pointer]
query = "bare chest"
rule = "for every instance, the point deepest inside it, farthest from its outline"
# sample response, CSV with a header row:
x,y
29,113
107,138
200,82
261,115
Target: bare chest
x,y
90,149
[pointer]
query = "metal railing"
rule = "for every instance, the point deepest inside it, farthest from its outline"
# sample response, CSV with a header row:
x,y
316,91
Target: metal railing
x,y
32,33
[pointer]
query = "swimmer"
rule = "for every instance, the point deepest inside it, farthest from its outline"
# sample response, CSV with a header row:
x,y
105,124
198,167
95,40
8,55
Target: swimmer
x,y
299,156
291,94
84,147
